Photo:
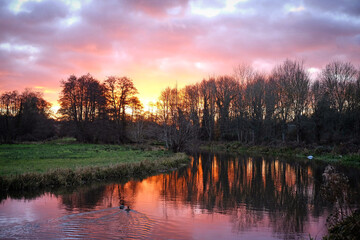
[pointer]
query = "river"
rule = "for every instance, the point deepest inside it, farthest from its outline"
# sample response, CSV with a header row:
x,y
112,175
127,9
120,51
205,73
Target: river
x,y
218,196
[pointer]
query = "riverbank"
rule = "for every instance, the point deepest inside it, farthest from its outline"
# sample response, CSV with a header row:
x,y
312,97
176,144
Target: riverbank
x,y
25,167
349,228
318,153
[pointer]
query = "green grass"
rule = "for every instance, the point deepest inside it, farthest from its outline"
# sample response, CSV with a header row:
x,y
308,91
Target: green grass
x,y
16,159
35,167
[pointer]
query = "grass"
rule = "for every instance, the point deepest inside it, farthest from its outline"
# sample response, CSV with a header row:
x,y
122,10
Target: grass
x,y
18,159
29,167
320,153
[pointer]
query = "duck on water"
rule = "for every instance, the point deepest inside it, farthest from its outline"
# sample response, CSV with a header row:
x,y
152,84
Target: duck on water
x,y
123,206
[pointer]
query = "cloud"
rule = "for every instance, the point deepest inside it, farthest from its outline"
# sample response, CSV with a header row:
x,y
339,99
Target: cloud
x,y
161,42
347,7
158,8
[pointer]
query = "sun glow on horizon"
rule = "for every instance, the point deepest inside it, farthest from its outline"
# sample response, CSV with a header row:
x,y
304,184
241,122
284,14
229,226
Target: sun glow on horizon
x,y
54,110
148,103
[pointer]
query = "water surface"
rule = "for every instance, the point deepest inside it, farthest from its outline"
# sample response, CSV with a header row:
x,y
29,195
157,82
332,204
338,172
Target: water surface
x,y
217,196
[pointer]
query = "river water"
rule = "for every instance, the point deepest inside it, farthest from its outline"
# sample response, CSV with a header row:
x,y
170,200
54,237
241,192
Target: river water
x,y
218,196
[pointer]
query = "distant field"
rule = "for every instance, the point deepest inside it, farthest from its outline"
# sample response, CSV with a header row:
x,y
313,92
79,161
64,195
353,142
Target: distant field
x,y
41,157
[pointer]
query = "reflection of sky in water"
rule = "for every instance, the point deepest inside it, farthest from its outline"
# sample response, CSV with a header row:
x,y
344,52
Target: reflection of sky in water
x,y
44,207
215,197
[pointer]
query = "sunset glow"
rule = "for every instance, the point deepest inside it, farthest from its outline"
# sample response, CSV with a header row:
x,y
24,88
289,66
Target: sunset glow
x,y
164,43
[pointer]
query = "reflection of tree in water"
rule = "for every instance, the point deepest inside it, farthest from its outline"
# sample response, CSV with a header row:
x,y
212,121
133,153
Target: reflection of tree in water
x,y
29,195
110,195
252,191
87,197
243,187
244,218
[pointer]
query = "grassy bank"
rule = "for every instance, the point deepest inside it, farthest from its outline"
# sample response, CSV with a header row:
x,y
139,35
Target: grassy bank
x,y
319,153
18,159
50,165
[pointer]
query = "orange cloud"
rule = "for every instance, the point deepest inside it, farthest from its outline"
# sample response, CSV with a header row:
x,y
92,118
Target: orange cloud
x,y
164,43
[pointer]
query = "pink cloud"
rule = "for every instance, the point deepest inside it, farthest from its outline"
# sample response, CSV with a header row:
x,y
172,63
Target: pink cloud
x,y
163,42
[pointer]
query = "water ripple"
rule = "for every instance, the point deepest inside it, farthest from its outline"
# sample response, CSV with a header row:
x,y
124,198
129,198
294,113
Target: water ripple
x,y
110,223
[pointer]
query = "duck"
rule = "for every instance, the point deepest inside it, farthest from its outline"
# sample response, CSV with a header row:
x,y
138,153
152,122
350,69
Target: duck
x,y
128,209
121,206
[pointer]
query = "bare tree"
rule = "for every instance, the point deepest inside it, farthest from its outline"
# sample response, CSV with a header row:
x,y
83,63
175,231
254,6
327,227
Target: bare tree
x,y
255,103
10,103
226,89
82,101
271,100
191,104
167,108
293,88
208,97
137,119
300,85
335,78
337,81
136,108
243,74
120,92
24,116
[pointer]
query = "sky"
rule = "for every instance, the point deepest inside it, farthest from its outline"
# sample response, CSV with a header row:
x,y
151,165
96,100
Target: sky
x,y
161,43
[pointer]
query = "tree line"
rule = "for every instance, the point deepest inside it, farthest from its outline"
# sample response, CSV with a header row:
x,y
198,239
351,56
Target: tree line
x,y
25,117
256,108
248,106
